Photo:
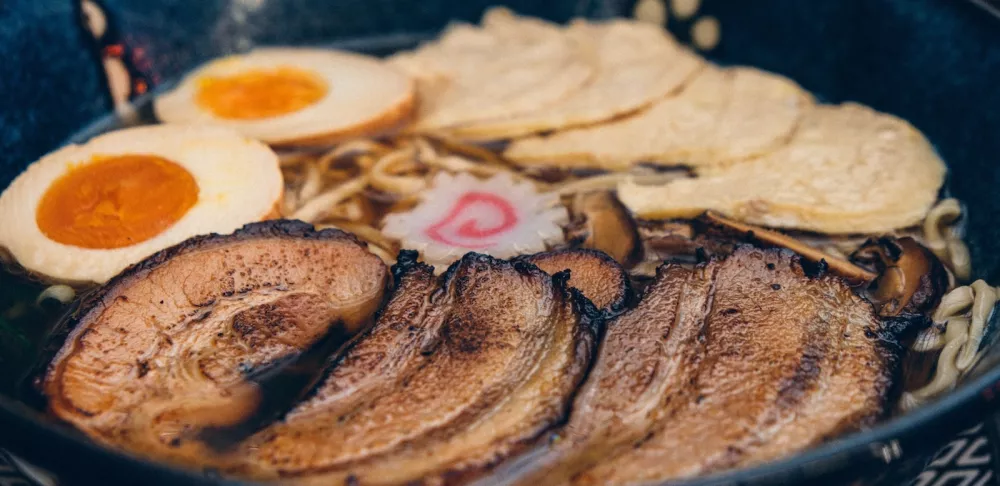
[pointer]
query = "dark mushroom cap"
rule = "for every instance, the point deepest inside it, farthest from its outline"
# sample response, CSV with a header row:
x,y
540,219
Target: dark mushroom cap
x,y
911,279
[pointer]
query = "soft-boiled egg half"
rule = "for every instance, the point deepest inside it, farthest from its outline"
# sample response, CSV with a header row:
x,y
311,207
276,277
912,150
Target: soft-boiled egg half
x,y
293,96
85,212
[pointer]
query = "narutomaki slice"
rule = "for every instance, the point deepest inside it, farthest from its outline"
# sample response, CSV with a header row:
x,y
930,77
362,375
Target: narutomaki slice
x,y
154,356
457,374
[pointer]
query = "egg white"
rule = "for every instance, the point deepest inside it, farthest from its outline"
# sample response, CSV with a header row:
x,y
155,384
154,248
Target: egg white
x,y
364,96
239,181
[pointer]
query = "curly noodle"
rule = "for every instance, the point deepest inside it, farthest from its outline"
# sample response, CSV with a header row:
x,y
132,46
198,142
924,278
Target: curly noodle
x,y
959,326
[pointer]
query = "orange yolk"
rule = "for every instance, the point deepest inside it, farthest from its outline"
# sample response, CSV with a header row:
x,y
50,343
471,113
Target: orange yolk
x,y
116,201
260,93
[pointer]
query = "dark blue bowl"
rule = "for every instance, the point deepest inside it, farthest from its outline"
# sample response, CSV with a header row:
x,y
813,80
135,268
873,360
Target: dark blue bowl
x,y
933,62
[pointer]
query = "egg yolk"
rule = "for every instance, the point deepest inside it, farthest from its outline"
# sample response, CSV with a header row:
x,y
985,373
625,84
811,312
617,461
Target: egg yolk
x,y
261,93
116,201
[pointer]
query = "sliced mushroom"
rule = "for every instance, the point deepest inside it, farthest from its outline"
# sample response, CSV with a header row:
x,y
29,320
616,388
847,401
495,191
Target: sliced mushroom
x,y
608,227
666,239
715,222
673,241
911,279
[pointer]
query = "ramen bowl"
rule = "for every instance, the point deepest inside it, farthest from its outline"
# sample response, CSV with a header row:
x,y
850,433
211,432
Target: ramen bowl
x,y
79,69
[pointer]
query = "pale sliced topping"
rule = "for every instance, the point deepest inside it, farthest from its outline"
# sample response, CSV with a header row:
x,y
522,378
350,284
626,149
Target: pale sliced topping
x,y
511,66
637,65
723,115
849,169
497,216
509,26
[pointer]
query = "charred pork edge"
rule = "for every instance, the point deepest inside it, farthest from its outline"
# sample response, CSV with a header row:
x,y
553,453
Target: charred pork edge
x,y
406,264
66,330
628,298
885,340
590,328
590,316
526,465
887,337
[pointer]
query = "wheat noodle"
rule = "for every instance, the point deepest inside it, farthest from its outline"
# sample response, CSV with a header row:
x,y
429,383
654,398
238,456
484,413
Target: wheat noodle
x,y
946,374
982,309
384,179
313,183
319,206
942,237
964,313
63,294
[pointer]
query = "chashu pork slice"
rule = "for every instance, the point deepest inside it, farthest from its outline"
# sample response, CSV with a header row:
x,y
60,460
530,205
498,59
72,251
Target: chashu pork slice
x,y
596,275
457,374
736,362
158,353
642,368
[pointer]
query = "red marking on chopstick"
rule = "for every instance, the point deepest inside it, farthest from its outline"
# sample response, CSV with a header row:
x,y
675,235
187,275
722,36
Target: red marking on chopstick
x,y
114,50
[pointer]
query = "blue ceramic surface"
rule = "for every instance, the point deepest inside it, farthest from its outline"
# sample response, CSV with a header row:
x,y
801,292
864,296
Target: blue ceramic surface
x,y
51,83
933,62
